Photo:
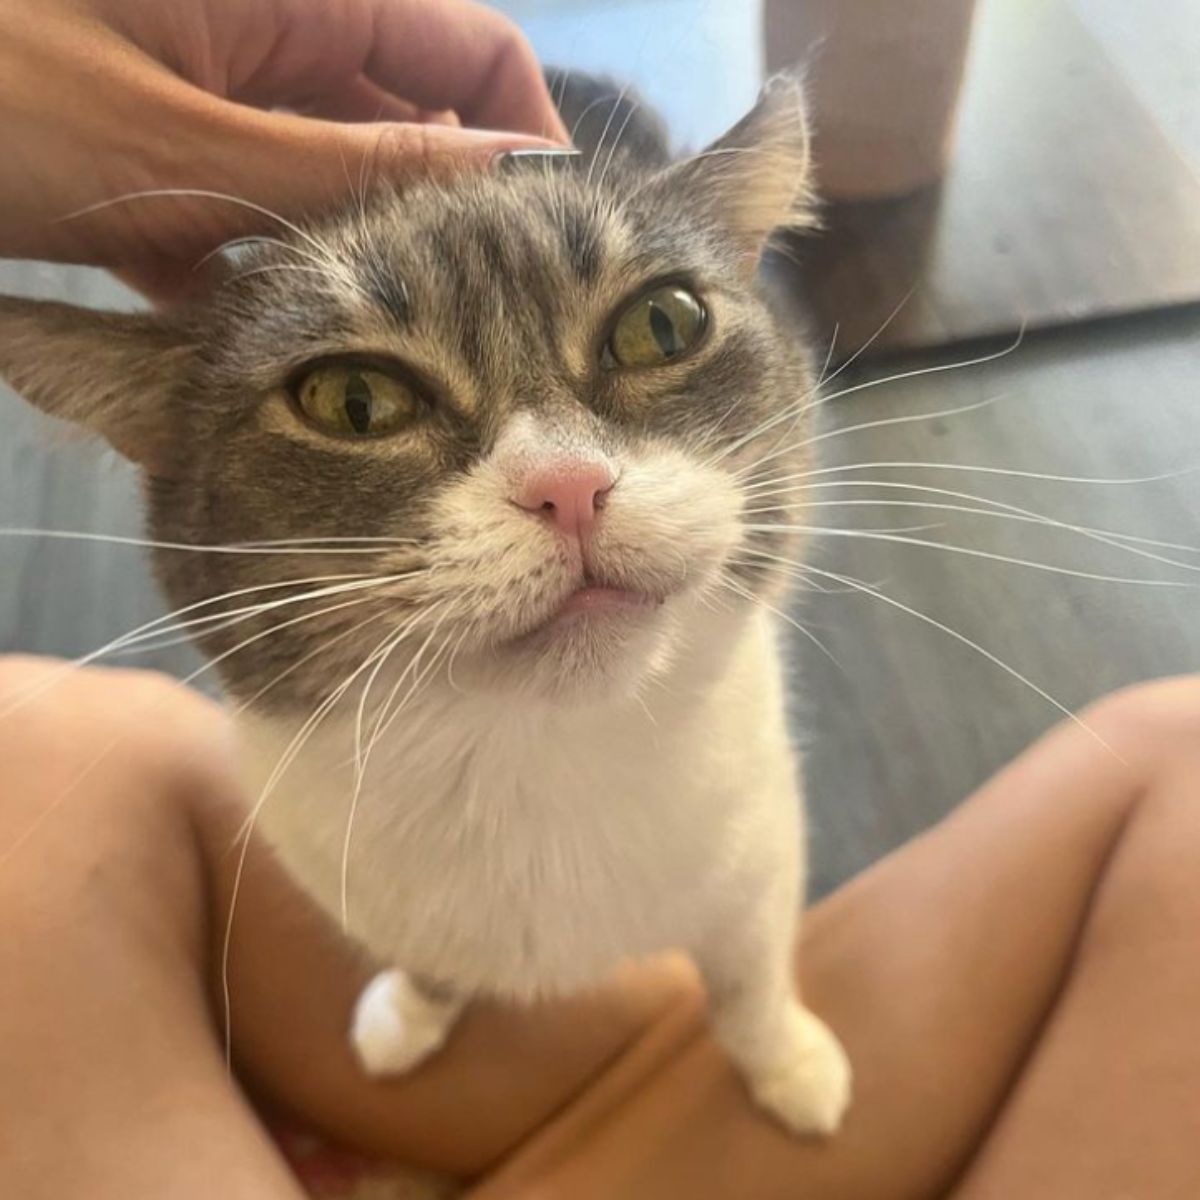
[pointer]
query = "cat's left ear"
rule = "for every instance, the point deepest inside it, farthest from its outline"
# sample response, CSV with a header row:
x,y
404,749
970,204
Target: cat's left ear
x,y
113,374
757,178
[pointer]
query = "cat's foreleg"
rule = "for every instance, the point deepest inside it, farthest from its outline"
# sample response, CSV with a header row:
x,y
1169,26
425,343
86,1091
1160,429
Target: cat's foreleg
x,y
398,1024
791,1061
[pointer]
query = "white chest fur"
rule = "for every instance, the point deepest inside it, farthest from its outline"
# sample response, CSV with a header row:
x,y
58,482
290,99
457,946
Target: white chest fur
x,y
519,850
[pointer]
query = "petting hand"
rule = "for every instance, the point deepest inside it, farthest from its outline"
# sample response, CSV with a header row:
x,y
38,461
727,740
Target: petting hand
x,y
103,98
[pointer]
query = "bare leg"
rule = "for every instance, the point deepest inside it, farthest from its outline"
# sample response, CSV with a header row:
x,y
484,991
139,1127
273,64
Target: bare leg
x,y
112,1081
951,970
940,968
1108,1104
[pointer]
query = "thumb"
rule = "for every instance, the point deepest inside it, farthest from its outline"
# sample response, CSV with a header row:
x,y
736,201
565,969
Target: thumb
x,y
304,163
262,172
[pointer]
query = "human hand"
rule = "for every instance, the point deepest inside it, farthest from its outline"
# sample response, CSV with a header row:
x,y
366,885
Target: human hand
x,y
100,99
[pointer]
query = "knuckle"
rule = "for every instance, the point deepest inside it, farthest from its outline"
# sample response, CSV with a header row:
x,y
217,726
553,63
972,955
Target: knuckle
x,y
410,153
516,60
46,698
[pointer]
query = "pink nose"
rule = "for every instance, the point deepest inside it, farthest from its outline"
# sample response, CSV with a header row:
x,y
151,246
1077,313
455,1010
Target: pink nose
x,y
567,495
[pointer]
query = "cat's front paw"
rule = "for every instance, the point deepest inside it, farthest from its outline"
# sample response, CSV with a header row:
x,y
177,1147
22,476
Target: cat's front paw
x,y
808,1089
396,1026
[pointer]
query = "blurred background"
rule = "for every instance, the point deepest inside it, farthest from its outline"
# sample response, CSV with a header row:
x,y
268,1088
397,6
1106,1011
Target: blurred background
x,y
1013,521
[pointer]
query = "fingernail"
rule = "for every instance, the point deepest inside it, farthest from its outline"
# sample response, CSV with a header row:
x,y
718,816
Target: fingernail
x,y
511,162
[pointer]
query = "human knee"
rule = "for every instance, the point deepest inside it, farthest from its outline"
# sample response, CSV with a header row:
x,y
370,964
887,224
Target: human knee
x,y
1151,887
40,695
1153,725
125,734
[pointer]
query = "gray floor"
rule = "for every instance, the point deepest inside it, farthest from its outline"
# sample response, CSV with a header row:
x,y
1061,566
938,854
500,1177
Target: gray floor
x,y
910,718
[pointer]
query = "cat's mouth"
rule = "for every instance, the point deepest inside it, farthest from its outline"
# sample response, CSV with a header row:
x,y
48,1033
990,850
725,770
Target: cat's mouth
x,y
596,599
593,601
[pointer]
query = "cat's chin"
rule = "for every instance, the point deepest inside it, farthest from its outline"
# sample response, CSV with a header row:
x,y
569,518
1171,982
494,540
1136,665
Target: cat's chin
x,y
601,646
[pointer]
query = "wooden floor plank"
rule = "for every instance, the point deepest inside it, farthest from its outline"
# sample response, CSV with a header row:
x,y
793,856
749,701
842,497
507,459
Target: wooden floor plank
x,y
1065,201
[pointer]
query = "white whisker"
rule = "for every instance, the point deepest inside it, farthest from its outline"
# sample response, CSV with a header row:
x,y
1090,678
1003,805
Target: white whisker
x,y
957,411
873,383
462,637
54,806
256,239
887,322
1005,472
162,624
1127,542
278,268
745,593
897,537
197,194
313,545
828,357
920,372
583,115
243,836
633,108
384,720
951,632
604,132
362,759
806,402
360,713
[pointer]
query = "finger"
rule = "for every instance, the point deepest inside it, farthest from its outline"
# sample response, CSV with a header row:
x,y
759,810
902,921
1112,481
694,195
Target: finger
x,y
261,172
299,164
362,102
169,282
436,54
456,54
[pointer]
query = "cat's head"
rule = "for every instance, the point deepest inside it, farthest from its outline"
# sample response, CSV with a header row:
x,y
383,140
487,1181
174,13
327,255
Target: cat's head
x,y
512,423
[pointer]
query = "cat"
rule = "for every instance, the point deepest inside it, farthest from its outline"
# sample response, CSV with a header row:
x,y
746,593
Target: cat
x,y
484,446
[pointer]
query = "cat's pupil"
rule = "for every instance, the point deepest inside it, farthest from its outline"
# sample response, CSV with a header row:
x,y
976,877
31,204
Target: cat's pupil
x,y
664,331
357,399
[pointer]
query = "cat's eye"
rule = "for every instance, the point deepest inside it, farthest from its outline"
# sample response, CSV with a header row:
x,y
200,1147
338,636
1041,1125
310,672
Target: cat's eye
x,y
355,401
658,327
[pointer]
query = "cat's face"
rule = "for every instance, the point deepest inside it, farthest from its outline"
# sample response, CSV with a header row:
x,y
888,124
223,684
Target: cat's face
x,y
532,403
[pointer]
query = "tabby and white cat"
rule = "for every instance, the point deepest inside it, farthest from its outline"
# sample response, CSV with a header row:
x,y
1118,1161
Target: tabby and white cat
x,y
529,646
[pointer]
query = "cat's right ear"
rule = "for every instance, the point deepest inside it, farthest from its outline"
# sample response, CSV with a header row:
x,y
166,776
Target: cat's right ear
x,y
758,177
113,374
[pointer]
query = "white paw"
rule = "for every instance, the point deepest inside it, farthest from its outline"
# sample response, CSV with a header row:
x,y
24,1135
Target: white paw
x,y
395,1027
809,1089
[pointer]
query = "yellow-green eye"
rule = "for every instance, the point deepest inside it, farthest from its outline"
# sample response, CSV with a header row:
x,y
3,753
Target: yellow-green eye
x,y
657,327
355,401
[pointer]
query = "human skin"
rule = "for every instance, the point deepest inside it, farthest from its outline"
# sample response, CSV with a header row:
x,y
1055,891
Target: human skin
x,y
100,99
1017,989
